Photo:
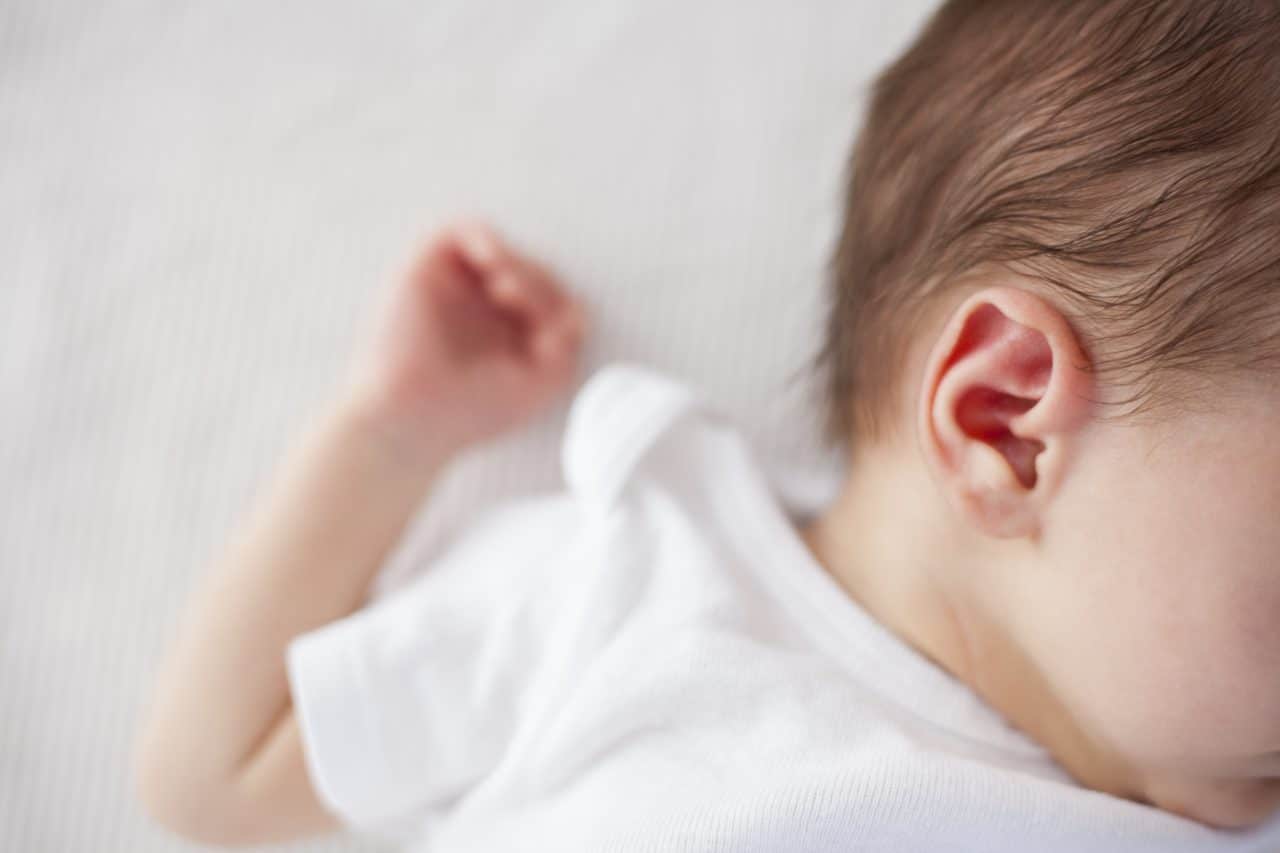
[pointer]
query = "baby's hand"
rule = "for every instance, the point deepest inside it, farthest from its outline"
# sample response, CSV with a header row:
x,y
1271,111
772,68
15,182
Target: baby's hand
x,y
473,341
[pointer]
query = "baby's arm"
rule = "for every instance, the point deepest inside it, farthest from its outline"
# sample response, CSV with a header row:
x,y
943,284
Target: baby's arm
x,y
473,342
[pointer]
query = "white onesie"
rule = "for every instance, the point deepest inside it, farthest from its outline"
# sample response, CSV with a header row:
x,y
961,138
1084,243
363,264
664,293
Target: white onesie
x,y
654,661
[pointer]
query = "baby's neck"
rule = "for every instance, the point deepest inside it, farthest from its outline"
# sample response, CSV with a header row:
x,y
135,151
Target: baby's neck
x,y
891,543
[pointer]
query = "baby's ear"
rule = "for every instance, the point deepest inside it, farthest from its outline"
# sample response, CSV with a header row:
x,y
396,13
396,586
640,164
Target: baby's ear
x,y
1006,389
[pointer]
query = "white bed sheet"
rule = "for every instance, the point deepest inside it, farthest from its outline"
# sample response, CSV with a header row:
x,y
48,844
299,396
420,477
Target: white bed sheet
x,y
198,200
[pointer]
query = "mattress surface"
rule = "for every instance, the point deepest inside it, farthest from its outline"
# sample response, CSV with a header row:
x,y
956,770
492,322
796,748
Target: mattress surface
x,y
198,201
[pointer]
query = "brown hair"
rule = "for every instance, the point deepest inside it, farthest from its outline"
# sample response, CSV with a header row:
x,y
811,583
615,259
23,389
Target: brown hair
x,y
1124,153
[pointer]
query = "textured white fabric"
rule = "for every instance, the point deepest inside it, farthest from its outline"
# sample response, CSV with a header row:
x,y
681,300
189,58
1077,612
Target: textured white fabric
x,y
197,199
652,661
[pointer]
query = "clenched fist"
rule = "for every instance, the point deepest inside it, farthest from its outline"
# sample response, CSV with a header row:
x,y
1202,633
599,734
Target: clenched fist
x,y
472,341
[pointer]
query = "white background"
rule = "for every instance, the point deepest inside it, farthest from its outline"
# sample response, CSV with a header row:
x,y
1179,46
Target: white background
x,y
199,201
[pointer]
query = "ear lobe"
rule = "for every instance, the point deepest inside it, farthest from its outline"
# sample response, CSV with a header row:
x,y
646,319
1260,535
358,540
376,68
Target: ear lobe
x,y
1002,395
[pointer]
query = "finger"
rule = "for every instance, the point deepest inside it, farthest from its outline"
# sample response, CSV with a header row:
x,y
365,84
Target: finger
x,y
439,250
547,287
527,295
514,281
562,337
553,347
579,318
480,245
483,246
487,248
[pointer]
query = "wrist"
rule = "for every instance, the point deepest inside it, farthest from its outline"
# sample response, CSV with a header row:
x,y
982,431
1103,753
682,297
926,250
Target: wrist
x,y
405,451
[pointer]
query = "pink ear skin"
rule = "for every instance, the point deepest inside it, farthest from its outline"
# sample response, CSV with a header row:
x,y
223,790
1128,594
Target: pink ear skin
x,y
1006,389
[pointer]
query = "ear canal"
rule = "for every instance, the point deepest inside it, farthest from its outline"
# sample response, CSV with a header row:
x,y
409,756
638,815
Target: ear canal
x,y
984,414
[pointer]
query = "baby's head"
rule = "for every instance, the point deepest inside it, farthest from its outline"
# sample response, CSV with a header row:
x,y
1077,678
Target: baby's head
x,y
1057,292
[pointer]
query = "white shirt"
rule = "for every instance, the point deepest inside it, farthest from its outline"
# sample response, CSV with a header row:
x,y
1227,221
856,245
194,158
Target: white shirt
x,y
654,661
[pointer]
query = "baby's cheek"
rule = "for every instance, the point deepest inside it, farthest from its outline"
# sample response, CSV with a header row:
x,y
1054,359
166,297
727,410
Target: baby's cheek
x,y
1198,690
1170,685
1250,622
1230,639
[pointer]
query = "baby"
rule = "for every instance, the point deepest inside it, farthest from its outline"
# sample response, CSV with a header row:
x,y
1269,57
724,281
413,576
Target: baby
x,y
1043,613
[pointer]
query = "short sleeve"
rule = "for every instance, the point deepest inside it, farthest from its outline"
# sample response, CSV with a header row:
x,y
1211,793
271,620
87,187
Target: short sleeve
x,y
403,706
